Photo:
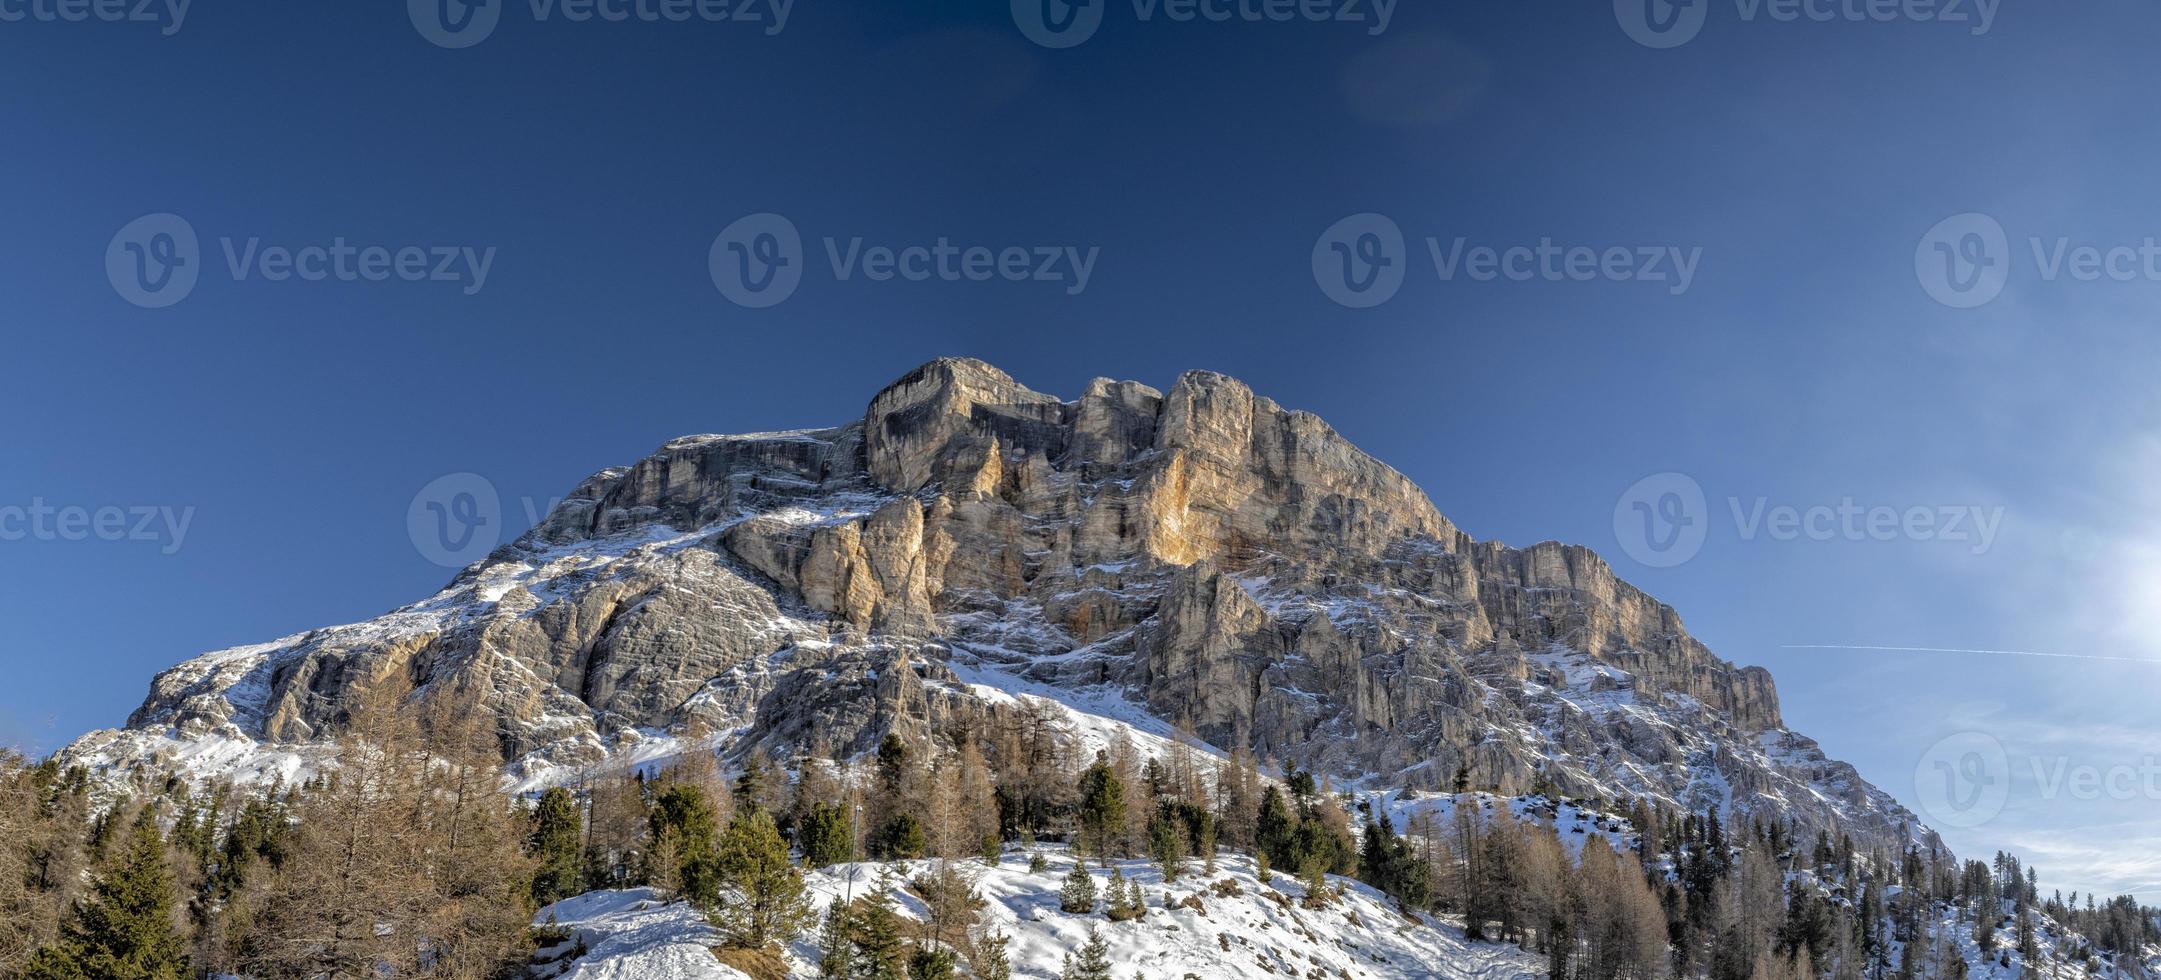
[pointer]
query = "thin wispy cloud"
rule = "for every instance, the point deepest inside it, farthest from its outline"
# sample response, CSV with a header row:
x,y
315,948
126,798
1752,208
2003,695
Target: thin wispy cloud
x,y
2003,653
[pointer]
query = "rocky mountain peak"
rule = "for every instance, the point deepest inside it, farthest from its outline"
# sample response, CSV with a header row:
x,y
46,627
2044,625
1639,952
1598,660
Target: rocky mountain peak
x,y
1143,559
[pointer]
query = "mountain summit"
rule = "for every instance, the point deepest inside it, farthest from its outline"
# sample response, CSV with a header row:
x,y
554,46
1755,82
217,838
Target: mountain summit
x,y
1199,558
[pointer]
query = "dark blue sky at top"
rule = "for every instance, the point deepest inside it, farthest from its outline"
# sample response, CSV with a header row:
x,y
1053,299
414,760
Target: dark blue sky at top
x,y
1804,364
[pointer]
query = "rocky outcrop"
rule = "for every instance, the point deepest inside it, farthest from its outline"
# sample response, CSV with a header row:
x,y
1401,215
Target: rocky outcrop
x,y
1201,554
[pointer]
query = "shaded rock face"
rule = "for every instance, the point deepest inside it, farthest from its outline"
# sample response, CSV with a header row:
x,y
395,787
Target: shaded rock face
x,y
1203,556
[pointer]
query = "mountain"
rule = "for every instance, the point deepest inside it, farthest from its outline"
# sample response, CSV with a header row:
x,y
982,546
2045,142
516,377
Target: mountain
x,y
1200,557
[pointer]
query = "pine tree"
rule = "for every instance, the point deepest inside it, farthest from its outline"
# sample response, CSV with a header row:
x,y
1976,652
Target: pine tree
x,y
880,953
930,963
1094,962
901,839
836,944
1122,908
1102,808
987,957
826,834
762,895
1315,878
762,786
556,841
1078,897
1275,830
1167,842
124,928
684,830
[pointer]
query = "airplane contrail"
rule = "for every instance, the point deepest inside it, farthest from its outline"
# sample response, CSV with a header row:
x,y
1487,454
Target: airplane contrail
x,y
2005,653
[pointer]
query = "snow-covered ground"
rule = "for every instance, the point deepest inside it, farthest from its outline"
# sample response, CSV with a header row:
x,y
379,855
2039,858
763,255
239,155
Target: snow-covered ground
x,y
1242,930
2063,953
631,935
1570,820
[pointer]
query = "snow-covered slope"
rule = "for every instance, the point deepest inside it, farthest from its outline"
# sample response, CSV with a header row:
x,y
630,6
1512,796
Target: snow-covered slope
x,y
1242,929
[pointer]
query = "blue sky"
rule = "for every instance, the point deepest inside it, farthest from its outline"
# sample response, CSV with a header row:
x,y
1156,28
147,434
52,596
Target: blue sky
x,y
1808,168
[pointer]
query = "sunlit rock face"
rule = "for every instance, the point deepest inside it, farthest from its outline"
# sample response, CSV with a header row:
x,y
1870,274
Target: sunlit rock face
x,y
1199,557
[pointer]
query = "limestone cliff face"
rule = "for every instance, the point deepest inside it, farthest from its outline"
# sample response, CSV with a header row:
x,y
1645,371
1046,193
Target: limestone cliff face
x,y
1203,556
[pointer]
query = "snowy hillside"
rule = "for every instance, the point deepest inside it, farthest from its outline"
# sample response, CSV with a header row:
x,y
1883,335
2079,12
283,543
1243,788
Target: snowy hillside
x,y
1239,930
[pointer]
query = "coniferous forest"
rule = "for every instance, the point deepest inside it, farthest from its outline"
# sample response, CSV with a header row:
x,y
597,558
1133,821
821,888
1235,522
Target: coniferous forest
x,y
409,859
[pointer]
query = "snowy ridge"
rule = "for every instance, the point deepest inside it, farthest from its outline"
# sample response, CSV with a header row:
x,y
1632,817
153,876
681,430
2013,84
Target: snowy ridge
x,y
235,684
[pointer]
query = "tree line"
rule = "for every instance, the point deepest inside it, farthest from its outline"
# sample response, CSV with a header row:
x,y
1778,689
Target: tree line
x,y
408,858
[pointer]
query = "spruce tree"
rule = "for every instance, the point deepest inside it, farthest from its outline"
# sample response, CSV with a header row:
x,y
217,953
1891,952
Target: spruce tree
x,y
124,927
557,841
